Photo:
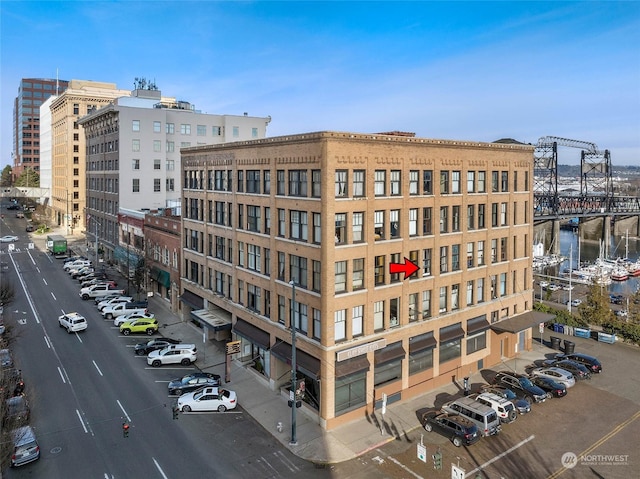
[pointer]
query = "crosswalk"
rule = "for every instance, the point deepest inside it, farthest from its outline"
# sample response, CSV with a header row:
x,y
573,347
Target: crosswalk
x,y
274,465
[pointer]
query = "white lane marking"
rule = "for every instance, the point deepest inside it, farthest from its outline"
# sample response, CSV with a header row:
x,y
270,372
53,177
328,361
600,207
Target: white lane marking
x,y
53,296
46,340
159,468
165,368
398,463
264,461
500,456
78,336
94,363
61,375
286,461
45,282
125,412
81,421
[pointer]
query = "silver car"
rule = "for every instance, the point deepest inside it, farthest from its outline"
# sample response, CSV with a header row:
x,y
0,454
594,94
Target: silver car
x,y
558,375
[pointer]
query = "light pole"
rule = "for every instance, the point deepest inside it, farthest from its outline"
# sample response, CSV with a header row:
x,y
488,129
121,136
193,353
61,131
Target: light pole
x,y
293,441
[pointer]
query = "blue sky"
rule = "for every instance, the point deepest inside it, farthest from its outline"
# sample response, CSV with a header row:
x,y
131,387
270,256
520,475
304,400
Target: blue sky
x,y
454,70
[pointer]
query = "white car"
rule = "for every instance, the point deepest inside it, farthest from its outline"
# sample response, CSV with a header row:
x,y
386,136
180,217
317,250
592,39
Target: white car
x,y
118,299
208,399
118,320
184,354
559,375
568,287
72,322
9,239
576,302
553,287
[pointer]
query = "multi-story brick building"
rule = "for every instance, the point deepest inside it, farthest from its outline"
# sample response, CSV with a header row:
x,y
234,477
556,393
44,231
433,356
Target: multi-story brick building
x,y
304,229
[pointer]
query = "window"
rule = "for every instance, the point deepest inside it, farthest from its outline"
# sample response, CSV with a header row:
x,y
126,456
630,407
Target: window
x,y
267,220
280,182
444,220
357,220
480,253
470,288
135,125
503,284
281,222
427,182
298,270
471,181
426,262
135,164
185,129
476,342
157,127
444,182
455,297
413,307
455,218
494,214
298,183
482,181
504,182
201,130
357,316
136,185
480,290
503,249
427,221
350,392
171,147
471,217
170,184
357,280
156,164
170,128
421,359
503,214
299,226
135,145
341,184
378,225
281,265
378,315
340,276
157,146
358,183
451,349
470,255
340,325
413,221
171,165
455,182
444,259
317,228
394,307
494,286
236,131
341,228
455,257
253,297
481,216
394,223
395,183
380,182
253,181
442,306
266,183
426,304
240,185
253,218
317,275
379,270
526,181
394,277
495,187
156,185
317,324
494,250
414,179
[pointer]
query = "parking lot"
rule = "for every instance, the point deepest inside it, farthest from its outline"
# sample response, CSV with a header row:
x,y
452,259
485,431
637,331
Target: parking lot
x,y
592,431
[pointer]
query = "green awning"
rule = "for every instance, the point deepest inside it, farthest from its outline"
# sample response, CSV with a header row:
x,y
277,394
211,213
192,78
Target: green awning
x,y
161,276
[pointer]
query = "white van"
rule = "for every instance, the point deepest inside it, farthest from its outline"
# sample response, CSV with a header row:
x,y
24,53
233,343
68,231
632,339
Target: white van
x,y
482,416
25,446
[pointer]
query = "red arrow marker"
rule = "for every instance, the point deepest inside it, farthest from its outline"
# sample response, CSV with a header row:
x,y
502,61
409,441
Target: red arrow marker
x,y
408,268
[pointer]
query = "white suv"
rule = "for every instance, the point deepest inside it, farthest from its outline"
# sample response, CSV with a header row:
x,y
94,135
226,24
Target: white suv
x,y
72,322
505,408
184,354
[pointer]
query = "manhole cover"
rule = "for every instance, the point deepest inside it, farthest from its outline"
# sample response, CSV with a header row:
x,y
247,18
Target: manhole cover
x,y
56,450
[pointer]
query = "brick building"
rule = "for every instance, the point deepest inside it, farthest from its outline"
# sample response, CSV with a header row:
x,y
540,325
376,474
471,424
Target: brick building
x,y
304,229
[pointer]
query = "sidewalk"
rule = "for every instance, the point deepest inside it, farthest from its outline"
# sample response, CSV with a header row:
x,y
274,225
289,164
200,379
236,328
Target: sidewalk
x,y
270,407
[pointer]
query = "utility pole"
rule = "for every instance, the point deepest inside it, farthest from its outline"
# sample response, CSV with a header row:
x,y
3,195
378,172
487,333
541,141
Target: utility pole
x,y
294,441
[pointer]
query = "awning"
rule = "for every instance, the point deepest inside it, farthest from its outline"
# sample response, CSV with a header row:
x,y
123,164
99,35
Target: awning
x,y
192,299
160,276
422,342
217,319
477,325
351,366
304,361
522,321
451,333
252,333
391,352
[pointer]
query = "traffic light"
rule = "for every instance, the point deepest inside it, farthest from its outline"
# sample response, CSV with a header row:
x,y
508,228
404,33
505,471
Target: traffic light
x,y
125,429
437,460
175,412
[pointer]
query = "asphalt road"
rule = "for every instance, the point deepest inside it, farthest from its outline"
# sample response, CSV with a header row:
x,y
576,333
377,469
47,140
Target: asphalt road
x,y
82,387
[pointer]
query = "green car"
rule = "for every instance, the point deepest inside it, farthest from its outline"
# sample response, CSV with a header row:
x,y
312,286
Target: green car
x,y
141,325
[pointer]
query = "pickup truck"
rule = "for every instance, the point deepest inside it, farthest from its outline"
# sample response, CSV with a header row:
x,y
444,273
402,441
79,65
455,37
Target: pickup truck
x,y
98,290
116,310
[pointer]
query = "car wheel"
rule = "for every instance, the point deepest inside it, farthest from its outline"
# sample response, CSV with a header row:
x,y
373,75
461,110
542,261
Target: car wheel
x,y
186,408
69,331
156,364
126,332
222,408
60,324
428,427
512,415
173,392
139,352
109,316
85,296
185,362
457,441
150,331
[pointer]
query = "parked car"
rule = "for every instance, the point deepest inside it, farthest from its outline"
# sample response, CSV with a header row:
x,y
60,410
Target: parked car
x,y
553,287
184,354
25,446
503,407
75,264
93,281
208,399
9,239
568,287
17,412
142,349
191,382
106,296
552,387
72,259
76,273
556,374
118,309
544,284
29,228
118,320
590,362
6,359
92,275
616,298
522,383
576,302
113,300
578,370
522,405
99,289
458,430
147,326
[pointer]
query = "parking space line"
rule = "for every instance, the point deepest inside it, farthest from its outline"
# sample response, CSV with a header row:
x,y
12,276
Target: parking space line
x,y
159,468
599,442
398,463
501,455
125,412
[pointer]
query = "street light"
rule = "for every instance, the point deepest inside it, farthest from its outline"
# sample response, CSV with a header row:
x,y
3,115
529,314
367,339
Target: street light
x,y
293,441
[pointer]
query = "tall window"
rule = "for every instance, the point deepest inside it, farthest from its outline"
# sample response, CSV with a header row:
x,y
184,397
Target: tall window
x,y
358,183
414,179
281,222
341,183
504,181
413,221
357,220
340,276
480,253
494,250
317,228
379,270
299,225
444,259
455,182
426,262
495,185
471,217
317,275
340,325
503,214
455,297
135,125
426,304
494,215
442,307
470,255
471,181
455,257
316,183
298,183
357,319
455,218
413,307
427,182
357,281
395,182
444,182
427,221
482,181
378,315
480,290
341,228
470,288
444,219
378,225
266,182
380,182
136,185
394,223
